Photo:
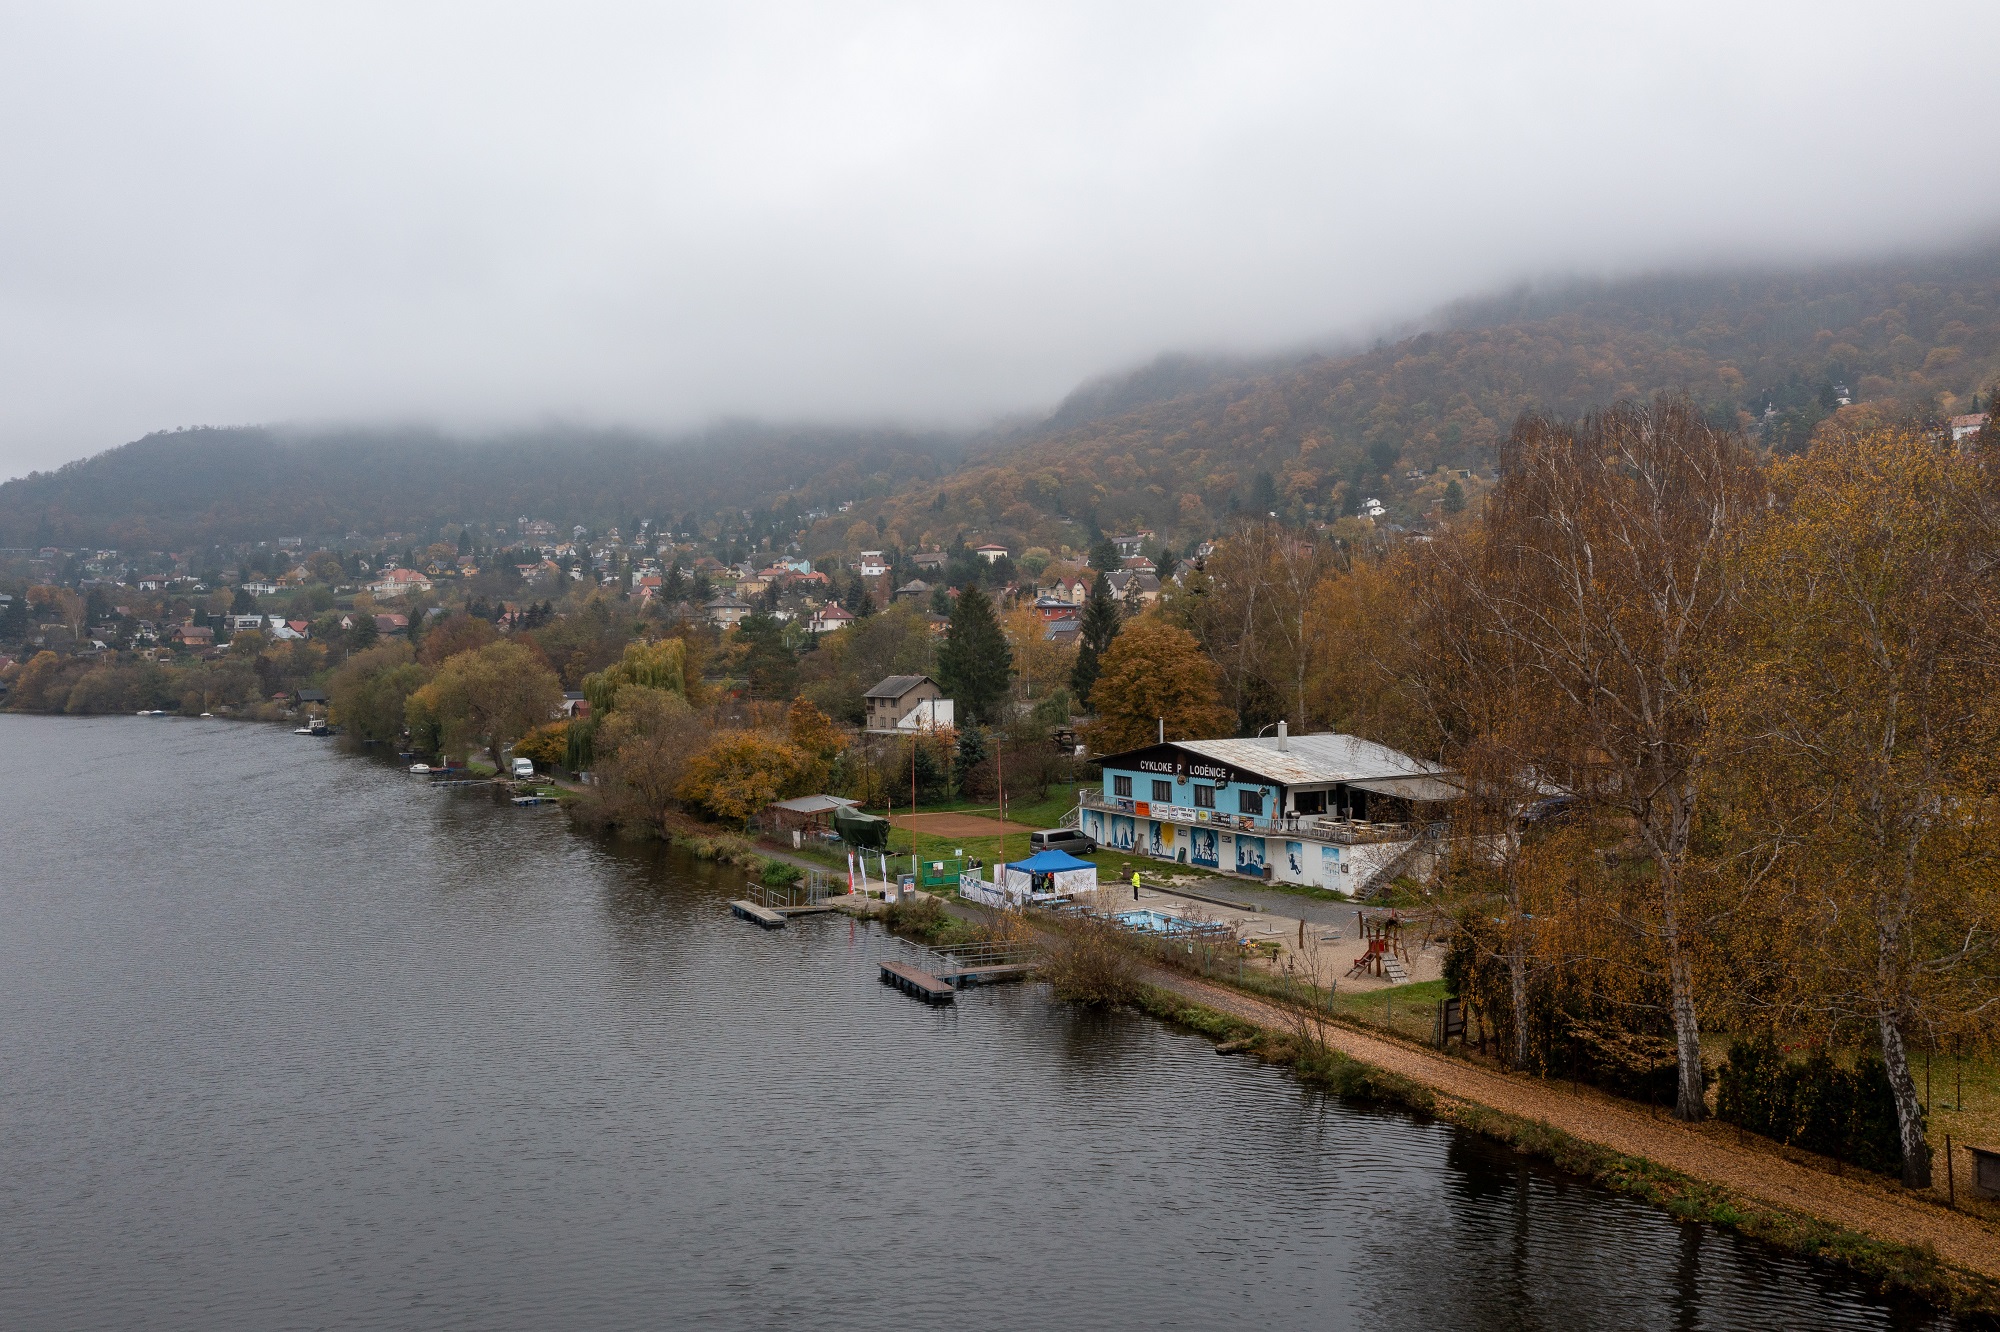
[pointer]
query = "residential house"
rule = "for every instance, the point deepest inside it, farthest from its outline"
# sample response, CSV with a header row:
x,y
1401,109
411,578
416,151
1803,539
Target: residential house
x,y
872,564
1073,588
1132,543
1965,427
193,635
827,619
914,590
726,611
1064,633
991,553
1142,589
308,698
1057,608
930,561
574,705
399,582
889,702
392,624
1138,564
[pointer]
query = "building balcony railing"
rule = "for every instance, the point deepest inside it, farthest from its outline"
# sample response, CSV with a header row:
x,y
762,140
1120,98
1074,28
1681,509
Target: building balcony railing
x,y
1315,827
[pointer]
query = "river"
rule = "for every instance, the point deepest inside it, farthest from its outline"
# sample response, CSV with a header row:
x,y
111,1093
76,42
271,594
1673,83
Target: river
x,y
293,1041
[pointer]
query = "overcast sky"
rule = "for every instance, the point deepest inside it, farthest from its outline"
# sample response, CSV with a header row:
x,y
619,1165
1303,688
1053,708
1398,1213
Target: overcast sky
x,y
490,214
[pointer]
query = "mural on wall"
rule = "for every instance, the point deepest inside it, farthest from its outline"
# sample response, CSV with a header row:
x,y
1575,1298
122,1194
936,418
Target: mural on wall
x,y
1159,840
1124,831
1329,867
1203,852
1249,855
1295,859
1092,826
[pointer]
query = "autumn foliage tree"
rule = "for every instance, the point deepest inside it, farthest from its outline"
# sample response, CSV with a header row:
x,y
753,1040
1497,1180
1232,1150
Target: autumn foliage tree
x,y
1155,674
1603,578
488,697
1860,721
740,772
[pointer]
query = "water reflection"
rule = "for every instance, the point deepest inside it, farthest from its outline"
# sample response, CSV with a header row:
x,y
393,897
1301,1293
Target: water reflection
x,y
302,1041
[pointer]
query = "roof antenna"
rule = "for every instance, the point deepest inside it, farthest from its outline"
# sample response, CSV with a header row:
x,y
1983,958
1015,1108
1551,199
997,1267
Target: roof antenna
x,y
1163,730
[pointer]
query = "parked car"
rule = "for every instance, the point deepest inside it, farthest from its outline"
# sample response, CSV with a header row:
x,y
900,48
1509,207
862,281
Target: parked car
x,y
524,767
1072,840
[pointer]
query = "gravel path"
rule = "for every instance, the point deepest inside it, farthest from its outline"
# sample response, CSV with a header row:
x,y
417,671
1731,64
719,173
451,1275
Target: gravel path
x,y
1708,1152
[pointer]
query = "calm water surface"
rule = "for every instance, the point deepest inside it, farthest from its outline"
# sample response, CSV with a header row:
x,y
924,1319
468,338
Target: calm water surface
x,y
291,1040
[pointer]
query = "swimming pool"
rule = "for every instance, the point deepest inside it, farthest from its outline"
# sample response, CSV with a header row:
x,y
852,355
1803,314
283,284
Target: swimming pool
x,y
1156,922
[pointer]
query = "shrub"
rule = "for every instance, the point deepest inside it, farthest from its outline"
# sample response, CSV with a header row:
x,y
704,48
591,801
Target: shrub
x,y
1812,1103
1090,963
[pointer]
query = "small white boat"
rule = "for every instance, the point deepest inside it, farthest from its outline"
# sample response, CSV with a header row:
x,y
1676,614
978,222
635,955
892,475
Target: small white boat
x,y
303,730
420,769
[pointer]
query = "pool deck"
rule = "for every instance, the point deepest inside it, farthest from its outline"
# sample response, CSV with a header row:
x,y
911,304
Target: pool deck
x,y
1323,957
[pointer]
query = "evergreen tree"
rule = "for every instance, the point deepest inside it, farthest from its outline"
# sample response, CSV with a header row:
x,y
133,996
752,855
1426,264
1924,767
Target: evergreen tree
x,y
1100,626
1454,497
768,664
974,661
972,750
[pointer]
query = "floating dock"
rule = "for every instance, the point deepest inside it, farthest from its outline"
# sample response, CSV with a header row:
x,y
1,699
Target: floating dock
x,y
748,910
918,983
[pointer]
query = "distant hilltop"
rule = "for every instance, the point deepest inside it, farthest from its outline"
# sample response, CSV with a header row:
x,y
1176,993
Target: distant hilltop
x,y
1177,446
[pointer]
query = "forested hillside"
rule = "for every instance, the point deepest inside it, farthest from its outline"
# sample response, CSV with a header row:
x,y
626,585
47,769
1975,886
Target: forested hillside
x,y
1916,337
205,486
1178,445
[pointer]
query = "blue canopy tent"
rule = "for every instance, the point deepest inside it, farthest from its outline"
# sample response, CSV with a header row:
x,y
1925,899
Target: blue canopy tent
x,y
1049,874
1050,862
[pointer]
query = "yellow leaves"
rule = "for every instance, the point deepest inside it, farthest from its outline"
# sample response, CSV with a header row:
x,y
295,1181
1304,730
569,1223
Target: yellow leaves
x,y
740,772
1155,672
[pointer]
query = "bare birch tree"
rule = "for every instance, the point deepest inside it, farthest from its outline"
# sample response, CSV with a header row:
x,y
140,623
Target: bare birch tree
x,y
1604,576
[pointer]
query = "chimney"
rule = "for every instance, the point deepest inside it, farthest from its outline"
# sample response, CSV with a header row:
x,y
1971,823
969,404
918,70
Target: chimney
x,y
1163,730
1284,741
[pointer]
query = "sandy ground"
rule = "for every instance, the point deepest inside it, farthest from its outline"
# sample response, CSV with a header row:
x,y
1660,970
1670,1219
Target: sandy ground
x,y
1708,1152
958,825
1322,951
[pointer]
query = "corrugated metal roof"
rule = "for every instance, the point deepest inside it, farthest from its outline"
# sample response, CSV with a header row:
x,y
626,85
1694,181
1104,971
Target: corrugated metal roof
x,y
815,804
1411,788
1310,760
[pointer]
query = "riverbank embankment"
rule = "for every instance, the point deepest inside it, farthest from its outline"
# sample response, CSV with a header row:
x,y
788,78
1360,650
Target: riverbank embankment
x,y
1701,1172
1710,1172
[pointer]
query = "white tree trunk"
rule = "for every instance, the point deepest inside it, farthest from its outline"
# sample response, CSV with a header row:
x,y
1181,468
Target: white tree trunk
x,y
1909,1110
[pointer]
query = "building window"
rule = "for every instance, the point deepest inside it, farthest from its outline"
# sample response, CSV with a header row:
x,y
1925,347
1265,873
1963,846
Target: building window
x,y
1163,792
1249,802
1204,797
1121,786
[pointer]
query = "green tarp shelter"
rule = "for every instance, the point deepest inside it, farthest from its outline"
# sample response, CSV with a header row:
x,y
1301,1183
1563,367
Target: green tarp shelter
x,y
861,830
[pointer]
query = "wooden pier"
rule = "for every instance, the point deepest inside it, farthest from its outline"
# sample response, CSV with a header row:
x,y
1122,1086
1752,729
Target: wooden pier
x,y
747,910
964,976
921,984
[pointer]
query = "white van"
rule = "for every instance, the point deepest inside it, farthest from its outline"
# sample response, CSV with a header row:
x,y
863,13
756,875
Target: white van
x,y
524,767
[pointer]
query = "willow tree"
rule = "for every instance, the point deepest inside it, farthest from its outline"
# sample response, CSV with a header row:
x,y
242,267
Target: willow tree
x,y
1603,578
1867,712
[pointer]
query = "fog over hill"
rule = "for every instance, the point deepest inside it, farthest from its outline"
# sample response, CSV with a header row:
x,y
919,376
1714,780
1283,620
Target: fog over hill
x,y
654,217
1176,443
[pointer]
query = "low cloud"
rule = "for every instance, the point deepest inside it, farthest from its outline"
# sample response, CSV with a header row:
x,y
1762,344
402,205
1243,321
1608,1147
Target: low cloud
x,y
484,215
